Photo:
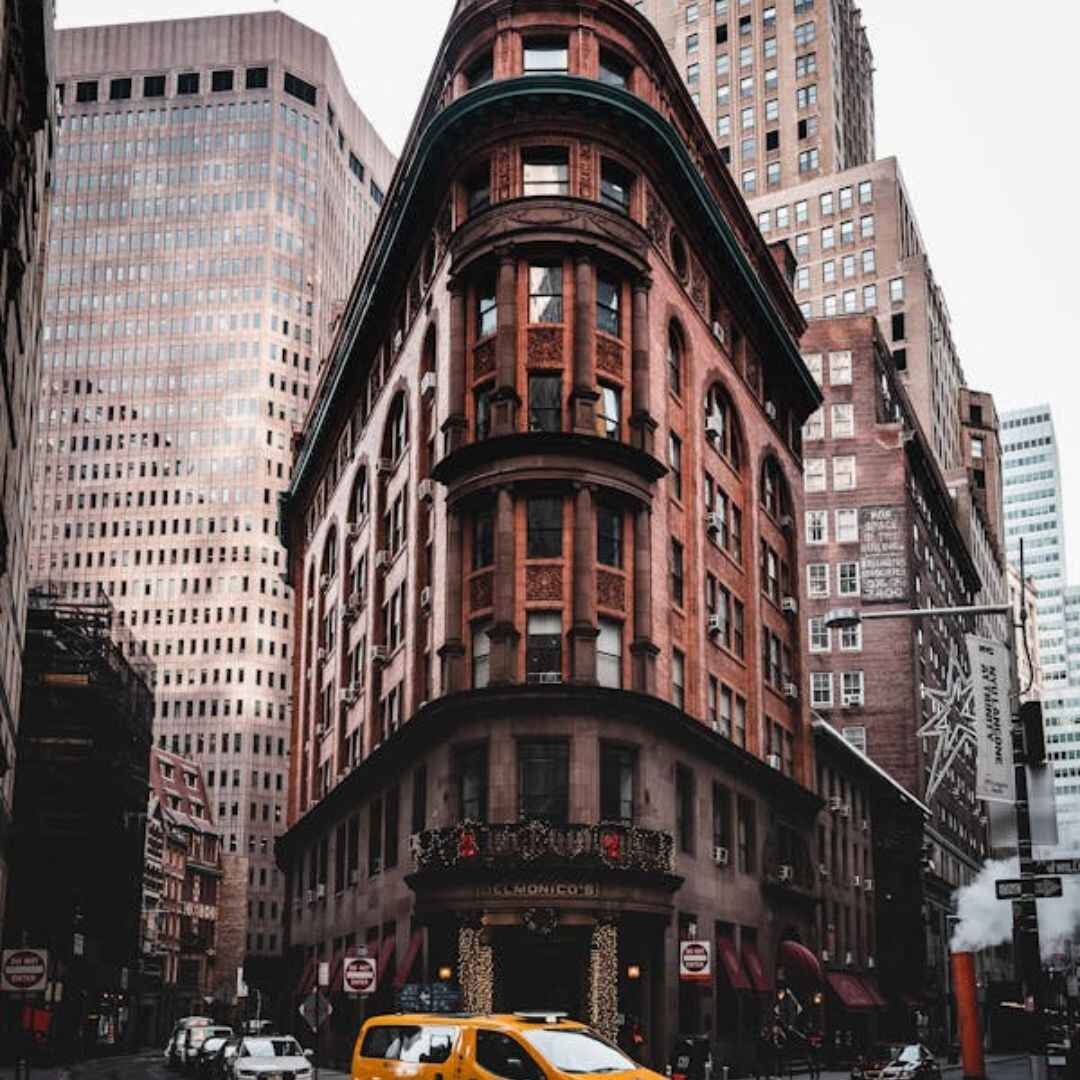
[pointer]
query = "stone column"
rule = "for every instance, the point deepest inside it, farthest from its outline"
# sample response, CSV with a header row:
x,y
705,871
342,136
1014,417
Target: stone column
x,y
476,970
504,633
603,1004
454,426
583,628
452,651
642,650
584,395
506,401
642,424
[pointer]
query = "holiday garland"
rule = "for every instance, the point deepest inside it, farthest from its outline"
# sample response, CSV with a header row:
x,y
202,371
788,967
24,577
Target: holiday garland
x,y
604,979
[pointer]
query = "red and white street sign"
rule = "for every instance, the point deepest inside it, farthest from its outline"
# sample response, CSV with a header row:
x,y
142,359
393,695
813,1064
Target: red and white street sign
x,y
360,974
695,961
24,970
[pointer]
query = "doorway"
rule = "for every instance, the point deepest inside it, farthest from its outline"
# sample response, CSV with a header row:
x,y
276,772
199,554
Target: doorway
x,y
542,972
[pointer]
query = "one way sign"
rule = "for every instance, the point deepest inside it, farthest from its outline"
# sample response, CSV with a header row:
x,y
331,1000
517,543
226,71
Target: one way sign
x,y
1039,888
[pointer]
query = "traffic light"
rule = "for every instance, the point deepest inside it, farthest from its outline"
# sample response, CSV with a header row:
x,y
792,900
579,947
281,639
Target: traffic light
x,y
1031,720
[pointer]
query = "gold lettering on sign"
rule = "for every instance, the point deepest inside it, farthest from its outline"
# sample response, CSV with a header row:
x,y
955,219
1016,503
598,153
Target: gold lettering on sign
x,y
533,890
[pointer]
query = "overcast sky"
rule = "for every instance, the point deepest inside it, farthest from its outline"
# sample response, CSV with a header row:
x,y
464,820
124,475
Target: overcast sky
x,y
987,158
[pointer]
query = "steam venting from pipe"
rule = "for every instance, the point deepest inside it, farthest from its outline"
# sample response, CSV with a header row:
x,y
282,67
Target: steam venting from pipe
x,y
986,921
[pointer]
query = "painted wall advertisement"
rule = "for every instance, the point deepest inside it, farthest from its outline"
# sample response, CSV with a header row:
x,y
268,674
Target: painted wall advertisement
x,y
883,553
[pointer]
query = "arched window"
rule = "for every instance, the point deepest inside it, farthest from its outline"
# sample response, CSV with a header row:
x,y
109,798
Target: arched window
x,y
721,426
675,352
328,569
774,491
396,434
358,503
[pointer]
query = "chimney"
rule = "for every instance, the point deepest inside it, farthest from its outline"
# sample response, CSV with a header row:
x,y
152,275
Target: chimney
x,y
967,1012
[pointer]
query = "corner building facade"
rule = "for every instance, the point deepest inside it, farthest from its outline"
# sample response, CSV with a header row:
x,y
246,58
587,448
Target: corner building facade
x,y
541,530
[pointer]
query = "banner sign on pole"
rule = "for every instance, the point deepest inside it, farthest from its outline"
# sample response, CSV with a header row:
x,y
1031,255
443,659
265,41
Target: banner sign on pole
x,y
695,961
991,687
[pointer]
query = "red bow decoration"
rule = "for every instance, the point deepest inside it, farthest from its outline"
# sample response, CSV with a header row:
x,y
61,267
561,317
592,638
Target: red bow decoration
x,y
467,848
612,845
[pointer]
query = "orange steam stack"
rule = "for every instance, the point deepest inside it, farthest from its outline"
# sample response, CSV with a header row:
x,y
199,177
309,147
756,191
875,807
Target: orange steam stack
x,y
967,1012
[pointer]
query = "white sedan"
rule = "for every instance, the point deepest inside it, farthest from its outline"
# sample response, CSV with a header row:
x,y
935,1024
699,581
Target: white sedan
x,y
271,1057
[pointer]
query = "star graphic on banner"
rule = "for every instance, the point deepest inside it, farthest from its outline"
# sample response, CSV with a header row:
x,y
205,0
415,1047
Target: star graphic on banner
x,y
952,720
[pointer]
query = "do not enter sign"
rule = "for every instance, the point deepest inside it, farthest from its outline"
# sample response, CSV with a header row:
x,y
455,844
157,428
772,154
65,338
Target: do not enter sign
x,y
24,970
360,974
695,961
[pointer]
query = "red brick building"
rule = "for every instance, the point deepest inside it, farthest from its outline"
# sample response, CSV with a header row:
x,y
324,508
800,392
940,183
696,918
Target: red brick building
x,y
543,533
881,530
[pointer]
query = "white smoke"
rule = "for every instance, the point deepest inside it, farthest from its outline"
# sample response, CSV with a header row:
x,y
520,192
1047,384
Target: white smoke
x,y
986,921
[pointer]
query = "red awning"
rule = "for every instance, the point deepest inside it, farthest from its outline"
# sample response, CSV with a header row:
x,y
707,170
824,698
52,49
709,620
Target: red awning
x,y
763,984
801,966
415,944
737,979
386,950
850,990
872,991
307,978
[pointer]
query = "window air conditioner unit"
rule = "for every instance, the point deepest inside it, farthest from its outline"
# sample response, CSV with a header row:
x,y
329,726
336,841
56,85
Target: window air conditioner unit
x,y
714,624
426,489
787,522
545,677
320,890
349,695
714,522
352,607
789,605
856,881
324,581
425,598
774,761
355,529
786,873
719,333
714,428
720,856
379,654
320,655
826,956
823,870
770,409
852,701
791,691
428,383
835,803
382,559
384,465
354,877
868,884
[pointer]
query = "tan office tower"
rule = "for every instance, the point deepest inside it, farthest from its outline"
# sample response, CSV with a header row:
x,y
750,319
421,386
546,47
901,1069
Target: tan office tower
x,y
215,187
785,86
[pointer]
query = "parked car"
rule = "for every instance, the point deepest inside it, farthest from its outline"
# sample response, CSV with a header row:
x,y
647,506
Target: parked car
x,y
914,1062
215,1039
270,1056
192,1039
868,1065
172,1047
221,1065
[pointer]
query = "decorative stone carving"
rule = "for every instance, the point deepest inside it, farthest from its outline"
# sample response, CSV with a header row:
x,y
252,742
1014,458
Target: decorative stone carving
x,y
443,229
502,173
585,169
609,355
543,583
484,358
699,287
482,591
610,590
545,346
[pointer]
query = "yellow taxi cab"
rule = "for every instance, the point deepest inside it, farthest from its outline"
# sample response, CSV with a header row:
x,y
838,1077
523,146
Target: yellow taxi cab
x,y
522,1046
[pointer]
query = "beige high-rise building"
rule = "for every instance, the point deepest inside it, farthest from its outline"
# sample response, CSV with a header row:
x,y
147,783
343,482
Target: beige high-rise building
x,y
785,86
215,187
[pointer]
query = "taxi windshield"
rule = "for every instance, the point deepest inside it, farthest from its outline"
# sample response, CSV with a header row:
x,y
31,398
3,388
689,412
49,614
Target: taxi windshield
x,y
272,1047
577,1051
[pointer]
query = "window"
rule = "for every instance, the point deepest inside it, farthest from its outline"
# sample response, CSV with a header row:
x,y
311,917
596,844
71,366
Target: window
x,y
772,175
471,772
820,635
768,48
545,403
675,464
764,221
684,808
977,447
817,580
609,535
866,192
692,42
866,226
543,647
774,493
487,311
804,34
808,160
678,679
843,421
221,81
607,305
749,181
851,688
546,171
693,73
720,429
772,110
544,530
868,261
610,411
746,835
821,689
828,272
802,278
771,659
480,71
545,294
746,120
478,188
119,89
850,304
419,801
676,572
256,78
840,368
544,56
847,232
375,838
617,767
898,329
814,474
481,654
817,526
691,13
829,304
814,366
869,296
502,1056
896,290
723,126
544,780
483,545
86,91
783,217
828,238
153,86
615,184
188,83
609,654
483,411
805,65
613,70
843,473
846,198
847,526
851,638
746,56
847,579
770,572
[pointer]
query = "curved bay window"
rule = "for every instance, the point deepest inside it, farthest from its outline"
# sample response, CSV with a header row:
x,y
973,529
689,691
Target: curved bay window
x,y
544,780
543,647
616,183
481,656
545,171
487,317
545,403
721,426
543,527
610,416
609,539
482,410
483,539
546,293
478,189
775,498
675,352
608,295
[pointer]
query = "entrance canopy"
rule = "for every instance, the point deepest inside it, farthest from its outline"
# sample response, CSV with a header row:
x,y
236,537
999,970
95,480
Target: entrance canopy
x,y
801,966
850,990
737,979
759,976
